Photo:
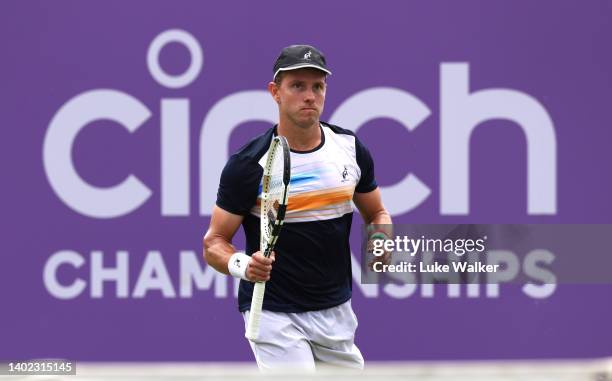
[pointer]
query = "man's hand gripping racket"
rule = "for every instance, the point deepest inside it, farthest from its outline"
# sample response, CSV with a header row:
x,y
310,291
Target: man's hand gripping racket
x,y
274,196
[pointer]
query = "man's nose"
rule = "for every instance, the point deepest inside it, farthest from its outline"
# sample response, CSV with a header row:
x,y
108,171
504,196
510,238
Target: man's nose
x,y
309,96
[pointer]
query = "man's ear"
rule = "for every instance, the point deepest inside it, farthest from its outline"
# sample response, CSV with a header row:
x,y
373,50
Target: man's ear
x,y
273,90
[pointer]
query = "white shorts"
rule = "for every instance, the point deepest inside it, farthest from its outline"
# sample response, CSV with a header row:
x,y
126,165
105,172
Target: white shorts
x,y
302,340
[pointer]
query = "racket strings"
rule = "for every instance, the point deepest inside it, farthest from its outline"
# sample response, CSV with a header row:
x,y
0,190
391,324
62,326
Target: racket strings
x,y
273,189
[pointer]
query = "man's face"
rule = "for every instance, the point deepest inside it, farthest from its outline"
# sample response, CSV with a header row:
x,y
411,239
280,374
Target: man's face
x,y
300,96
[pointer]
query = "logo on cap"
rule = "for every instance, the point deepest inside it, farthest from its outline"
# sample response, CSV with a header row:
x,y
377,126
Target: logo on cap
x,y
307,55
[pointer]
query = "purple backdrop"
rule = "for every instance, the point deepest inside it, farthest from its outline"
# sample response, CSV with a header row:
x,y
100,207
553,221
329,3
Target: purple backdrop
x,y
556,54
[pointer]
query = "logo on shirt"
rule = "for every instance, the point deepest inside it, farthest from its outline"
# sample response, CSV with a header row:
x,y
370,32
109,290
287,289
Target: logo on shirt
x,y
345,175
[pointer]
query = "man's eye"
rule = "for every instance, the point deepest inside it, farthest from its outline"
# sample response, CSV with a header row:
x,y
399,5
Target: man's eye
x,y
297,85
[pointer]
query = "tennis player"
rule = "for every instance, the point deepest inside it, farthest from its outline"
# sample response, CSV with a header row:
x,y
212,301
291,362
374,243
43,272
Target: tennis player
x,y
307,317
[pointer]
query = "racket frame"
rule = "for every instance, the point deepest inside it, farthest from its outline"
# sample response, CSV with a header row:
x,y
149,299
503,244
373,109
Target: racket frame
x,y
279,145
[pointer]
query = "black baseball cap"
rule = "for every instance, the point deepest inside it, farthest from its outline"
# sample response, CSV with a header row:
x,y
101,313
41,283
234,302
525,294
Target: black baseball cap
x,y
300,56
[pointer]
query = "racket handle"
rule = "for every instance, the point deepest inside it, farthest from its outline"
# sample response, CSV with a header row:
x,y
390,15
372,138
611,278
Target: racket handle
x,y
252,332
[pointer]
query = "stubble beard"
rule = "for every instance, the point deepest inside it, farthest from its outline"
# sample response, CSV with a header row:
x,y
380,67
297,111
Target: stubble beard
x,y
304,123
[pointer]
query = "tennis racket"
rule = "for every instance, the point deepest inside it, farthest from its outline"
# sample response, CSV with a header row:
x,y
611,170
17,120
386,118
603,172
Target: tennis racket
x,y
274,194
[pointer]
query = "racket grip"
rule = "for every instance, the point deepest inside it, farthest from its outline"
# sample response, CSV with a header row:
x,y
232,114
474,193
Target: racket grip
x,y
252,332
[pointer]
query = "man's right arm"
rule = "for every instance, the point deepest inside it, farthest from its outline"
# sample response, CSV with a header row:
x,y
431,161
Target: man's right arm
x,y
218,248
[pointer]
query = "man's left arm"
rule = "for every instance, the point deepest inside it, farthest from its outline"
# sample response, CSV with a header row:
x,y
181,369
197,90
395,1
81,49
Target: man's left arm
x,y
374,213
371,208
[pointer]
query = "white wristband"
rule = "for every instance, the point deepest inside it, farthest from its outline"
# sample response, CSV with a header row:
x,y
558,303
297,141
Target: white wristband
x,y
238,264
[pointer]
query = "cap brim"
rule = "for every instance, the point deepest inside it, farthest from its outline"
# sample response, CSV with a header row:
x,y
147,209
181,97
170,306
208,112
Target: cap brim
x,y
301,66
